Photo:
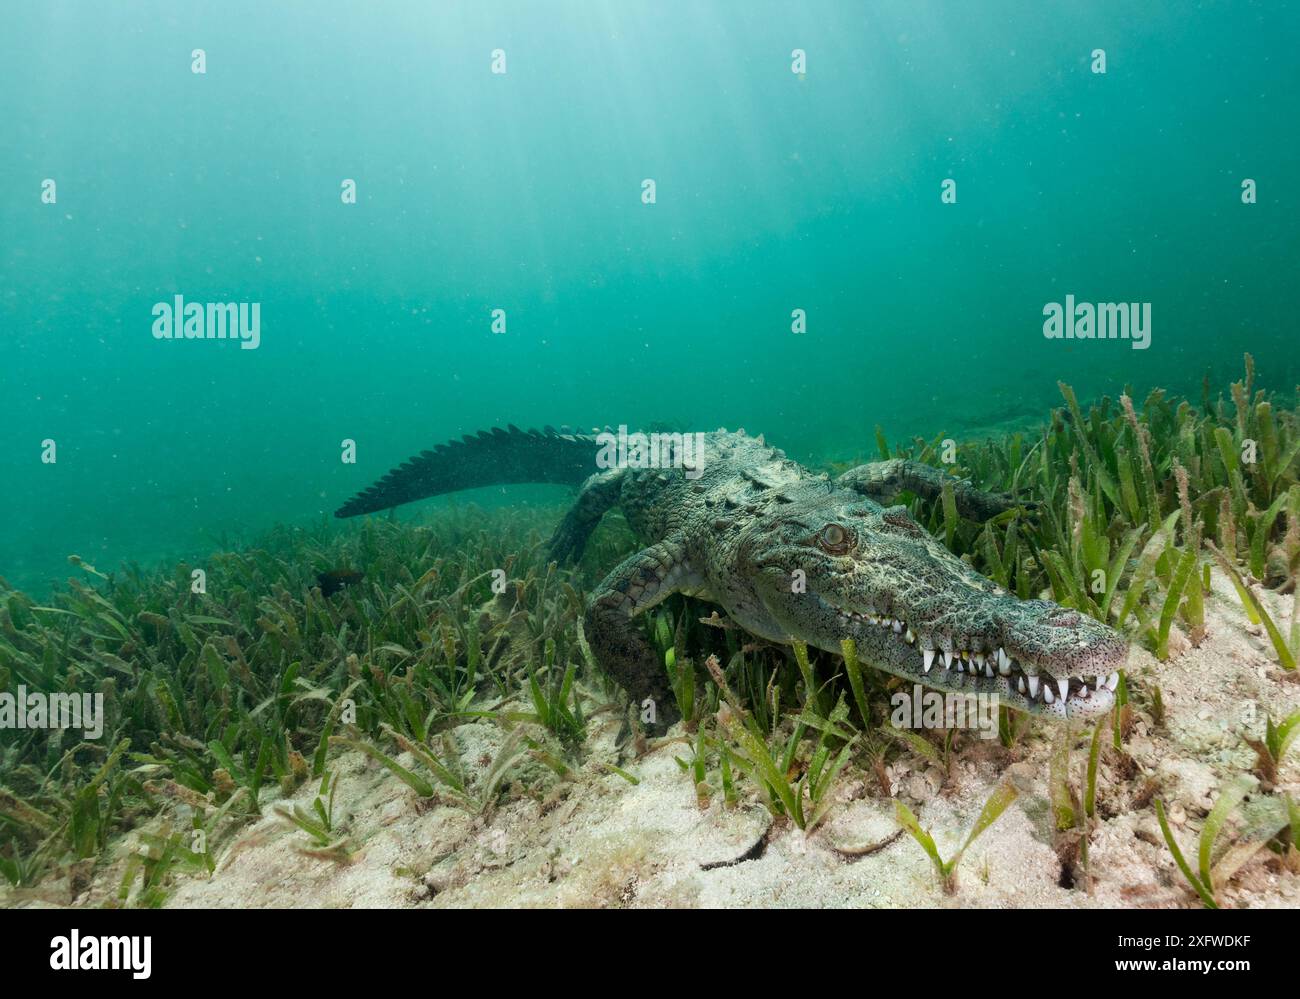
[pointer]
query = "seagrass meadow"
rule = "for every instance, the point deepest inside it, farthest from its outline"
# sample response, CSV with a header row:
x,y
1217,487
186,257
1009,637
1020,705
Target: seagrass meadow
x,y
262,715
320,586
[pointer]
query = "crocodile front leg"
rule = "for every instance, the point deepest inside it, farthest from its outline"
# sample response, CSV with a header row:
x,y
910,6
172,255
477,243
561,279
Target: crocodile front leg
x,y
882,481
638,583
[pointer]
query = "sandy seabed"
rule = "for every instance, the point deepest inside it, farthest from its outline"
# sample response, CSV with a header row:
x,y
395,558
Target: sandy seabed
x,y
594,839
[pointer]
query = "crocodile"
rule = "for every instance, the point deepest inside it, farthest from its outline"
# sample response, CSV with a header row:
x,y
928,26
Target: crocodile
x,y
789,554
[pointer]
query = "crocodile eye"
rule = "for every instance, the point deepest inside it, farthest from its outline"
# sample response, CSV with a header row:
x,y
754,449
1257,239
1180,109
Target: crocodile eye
x,y
834,539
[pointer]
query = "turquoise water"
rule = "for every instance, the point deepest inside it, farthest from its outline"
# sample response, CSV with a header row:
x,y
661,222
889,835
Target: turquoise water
x,y
522,191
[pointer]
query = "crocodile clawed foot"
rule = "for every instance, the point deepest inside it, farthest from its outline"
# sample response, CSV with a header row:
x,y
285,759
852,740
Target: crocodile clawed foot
x,y
986,505
566,545
640,740
1031,510
626,733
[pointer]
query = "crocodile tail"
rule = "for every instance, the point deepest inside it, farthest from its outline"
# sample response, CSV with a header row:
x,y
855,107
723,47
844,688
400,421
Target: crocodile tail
x,y
493,458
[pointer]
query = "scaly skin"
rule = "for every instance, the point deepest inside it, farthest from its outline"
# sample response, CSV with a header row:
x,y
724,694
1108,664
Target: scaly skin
x,y
790,554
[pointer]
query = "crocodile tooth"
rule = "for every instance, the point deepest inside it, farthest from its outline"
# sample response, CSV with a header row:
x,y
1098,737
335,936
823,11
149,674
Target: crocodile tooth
x,y
979,658
1112,681
1064,687
1048,696
1033,686
947,659
1004,662
898,626
988,670
928,656
1020,685
909,638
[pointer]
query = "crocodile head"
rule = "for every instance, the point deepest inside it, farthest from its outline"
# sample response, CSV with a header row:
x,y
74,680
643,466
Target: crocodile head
x,y
914,609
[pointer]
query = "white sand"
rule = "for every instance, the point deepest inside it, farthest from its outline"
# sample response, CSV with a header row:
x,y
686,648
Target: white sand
x,y
595,840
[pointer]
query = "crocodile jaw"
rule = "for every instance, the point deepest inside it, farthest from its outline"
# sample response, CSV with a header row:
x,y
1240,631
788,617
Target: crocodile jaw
x,y
1060,688
916,610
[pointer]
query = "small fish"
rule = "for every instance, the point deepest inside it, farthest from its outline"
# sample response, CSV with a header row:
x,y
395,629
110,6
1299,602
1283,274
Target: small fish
x,y
335,579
